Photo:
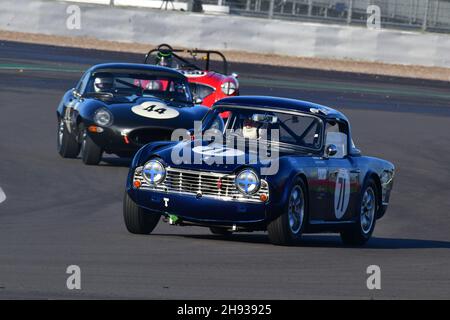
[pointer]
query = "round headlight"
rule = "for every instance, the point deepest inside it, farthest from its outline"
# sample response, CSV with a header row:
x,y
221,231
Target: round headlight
x,y
247,182
228,88
103,117
154,172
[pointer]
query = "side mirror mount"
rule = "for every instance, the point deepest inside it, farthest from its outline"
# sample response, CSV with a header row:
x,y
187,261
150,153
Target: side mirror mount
x,y
356,152
331,150
197,100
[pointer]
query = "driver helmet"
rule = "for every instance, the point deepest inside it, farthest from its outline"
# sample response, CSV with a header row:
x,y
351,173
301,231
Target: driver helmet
x,y
164,59
154,85
103,84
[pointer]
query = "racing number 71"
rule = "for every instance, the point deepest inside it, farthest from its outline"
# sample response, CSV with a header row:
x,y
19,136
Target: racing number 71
x,y
341,182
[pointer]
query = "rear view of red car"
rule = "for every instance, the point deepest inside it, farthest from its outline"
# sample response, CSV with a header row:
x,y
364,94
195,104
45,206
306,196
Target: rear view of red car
x,y
208,77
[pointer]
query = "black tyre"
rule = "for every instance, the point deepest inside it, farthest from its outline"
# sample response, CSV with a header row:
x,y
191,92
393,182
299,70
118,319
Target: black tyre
x,y
138,220
287,229
66,144
360,232
220,231
91,154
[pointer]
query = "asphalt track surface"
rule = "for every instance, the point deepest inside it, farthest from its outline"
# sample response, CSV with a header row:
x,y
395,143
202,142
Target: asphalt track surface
x,y
59,212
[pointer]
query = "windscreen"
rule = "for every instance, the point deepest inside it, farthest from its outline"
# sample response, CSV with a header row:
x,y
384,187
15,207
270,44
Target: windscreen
x,y
159,85
292,129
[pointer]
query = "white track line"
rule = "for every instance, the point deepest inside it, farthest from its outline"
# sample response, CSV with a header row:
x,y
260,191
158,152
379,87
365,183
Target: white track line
x,y
2,195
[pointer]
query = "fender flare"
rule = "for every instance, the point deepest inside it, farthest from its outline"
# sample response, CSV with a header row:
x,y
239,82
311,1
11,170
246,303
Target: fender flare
x,y
290,182
373,175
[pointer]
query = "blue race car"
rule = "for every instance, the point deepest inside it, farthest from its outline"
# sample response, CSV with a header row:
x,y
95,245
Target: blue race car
x,y
261,163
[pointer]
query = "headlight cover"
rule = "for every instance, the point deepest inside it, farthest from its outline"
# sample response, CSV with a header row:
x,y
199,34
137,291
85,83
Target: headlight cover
x,y
387,177
247,182
103,117
154,172
228,88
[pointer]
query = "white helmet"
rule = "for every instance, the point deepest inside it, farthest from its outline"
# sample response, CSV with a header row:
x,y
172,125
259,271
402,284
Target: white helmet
x,y
103,84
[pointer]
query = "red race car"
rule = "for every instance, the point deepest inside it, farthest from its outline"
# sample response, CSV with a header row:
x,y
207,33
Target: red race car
x,y
207,84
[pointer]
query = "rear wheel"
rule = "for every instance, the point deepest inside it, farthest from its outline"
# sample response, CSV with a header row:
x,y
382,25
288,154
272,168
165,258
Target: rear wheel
x,y
66,143
361,232
287,229
91,154
220,231
138,220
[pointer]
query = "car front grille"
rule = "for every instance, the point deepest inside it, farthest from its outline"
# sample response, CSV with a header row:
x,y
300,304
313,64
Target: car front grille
x,y
200,183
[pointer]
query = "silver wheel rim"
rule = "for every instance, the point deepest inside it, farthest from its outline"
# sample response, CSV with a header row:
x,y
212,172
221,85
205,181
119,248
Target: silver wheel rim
x,y
368,205
60,132
296,210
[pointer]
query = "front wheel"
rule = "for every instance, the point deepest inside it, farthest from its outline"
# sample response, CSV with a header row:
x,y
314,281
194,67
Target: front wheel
x,y
361,232
91,154
138,220
287,229
66,143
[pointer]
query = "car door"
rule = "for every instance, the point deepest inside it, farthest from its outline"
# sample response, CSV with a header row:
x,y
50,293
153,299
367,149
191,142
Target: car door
x,y
342,175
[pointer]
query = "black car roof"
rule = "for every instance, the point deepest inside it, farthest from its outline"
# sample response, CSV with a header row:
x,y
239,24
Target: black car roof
x,y
137,67
266,102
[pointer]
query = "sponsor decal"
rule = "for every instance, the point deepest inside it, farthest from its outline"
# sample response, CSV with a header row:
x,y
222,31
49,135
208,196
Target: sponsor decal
x,y
322,173
193,73
155,110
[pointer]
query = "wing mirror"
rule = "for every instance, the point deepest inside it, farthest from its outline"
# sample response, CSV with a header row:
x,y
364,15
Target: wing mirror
x,y
331,150
235,75
76,94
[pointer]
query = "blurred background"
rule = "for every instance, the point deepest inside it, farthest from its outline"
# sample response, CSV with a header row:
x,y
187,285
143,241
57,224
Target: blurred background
x,y
431,15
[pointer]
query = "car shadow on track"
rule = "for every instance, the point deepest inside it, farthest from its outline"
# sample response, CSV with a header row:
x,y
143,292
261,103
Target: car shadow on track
x,y
115,162
329,241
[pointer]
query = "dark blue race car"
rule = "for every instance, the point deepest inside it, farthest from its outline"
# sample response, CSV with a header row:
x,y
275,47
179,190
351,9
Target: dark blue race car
x,y
261,163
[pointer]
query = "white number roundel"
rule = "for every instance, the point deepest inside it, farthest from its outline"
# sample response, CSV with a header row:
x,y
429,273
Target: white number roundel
x,y
155,110
218,151
341,193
